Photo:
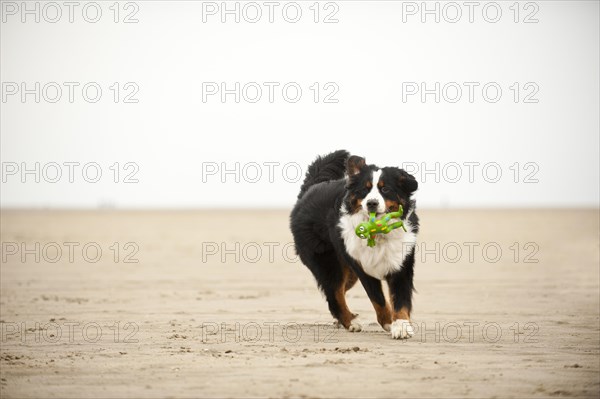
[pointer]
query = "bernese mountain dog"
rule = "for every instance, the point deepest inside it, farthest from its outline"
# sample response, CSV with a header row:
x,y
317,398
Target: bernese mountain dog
x,y
339,192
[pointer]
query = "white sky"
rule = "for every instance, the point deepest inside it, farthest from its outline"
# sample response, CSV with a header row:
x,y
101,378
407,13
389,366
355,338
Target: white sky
x,y
173,141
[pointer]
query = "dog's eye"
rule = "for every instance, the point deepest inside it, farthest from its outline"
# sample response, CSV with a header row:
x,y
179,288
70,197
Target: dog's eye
x,y
385,190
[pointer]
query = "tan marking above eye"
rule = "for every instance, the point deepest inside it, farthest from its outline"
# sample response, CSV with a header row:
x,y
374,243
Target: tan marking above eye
x,y
369,184
380,184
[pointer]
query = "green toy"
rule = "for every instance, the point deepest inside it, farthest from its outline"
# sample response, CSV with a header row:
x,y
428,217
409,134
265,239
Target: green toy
x,y
373,226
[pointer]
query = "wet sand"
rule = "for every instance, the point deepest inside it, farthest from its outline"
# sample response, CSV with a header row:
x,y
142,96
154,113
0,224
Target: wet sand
x,y
213,304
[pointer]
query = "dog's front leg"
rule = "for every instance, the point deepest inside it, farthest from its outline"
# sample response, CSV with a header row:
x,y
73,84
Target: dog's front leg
x,y
401,288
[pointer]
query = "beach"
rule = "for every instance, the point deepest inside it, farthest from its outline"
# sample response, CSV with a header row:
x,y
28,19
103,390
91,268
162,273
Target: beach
x,y
178,304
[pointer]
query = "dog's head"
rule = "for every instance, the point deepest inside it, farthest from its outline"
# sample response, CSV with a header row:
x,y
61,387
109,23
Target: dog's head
x,y
380,190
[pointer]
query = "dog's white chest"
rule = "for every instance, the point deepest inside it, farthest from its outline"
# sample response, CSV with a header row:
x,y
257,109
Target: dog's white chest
x,y
388,253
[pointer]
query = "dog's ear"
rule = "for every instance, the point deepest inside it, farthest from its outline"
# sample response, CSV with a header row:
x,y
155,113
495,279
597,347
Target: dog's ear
x,y
408,182
354,165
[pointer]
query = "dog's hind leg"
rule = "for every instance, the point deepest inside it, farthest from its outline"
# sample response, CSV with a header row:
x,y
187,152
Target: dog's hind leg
x,y
334,279
336,298
351,279
338,307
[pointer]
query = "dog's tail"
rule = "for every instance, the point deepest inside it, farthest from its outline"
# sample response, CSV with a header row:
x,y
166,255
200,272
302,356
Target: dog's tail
x,y
329,167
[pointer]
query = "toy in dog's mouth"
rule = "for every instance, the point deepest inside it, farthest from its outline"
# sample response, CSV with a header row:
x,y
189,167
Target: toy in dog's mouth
x,y
379,215
374,226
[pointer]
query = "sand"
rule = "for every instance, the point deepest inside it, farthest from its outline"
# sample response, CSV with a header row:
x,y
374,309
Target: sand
x,y
218,306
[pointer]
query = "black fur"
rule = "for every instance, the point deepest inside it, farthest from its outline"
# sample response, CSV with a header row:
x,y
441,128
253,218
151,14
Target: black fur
x,y
337,181
327,168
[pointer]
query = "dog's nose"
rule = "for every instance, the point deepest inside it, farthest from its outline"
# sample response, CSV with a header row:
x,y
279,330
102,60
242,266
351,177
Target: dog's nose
x,y
372,204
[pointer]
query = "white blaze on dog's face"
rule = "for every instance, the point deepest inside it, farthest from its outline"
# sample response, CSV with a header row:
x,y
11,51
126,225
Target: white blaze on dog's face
x,y
374,201
380,190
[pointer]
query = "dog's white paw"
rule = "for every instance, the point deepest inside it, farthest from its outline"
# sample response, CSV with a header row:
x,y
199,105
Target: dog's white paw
x,y
401,329
354,326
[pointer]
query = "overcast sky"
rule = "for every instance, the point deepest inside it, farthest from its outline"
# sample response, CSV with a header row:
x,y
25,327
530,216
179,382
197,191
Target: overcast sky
x,y
516,122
